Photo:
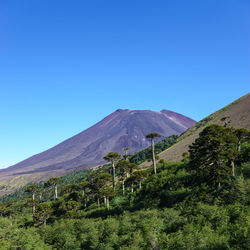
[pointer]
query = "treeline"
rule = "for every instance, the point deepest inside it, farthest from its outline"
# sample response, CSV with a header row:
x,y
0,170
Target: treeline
x,y
201,202
77,175
72,177
146,154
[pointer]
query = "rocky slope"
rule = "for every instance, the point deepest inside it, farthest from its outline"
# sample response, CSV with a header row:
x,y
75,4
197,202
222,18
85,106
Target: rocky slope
x,y
122,128
238,113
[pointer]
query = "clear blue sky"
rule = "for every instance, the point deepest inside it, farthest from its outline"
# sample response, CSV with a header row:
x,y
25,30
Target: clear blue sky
x,y
64,65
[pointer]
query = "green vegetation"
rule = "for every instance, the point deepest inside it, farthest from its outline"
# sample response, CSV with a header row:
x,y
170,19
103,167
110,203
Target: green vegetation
x,y
201,202
54,181
146,154
217,117
112,157
152,136
72,177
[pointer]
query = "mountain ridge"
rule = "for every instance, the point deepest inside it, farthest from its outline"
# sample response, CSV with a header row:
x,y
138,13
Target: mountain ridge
x,y
238,112
122,128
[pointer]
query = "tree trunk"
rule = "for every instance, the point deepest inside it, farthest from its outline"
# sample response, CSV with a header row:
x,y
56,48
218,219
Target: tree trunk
x,y
33,205
140,184
108,203
123,187
113,165
98,202
233,172
132,187
85,198
105,201
55,192
153,155
239,144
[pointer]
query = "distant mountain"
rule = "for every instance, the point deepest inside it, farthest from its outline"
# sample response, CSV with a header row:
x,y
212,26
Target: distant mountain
x,y
238,113
122,128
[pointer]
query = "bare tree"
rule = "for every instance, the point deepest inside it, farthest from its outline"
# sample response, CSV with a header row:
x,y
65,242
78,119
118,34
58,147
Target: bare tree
x,y
152,136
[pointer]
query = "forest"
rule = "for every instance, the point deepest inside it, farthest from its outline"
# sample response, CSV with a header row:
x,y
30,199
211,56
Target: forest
x,y
201,202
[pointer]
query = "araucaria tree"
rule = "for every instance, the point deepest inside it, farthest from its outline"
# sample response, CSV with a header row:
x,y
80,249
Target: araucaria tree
x,y
83,186
42,213
211,155
33,189
106,193
123,167
131,181
140,176
125,153
98,184
112,157
54,181
152,136
242,135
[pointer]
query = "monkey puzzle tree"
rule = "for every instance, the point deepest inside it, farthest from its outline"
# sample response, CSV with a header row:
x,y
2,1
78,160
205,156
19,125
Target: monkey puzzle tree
x,y
71,192
69,208
136,178
123,167
70,188
112,157
54,181
125,153
132,167
152,136
210,156
42,213
33,189
99,182
106,193
242,136
140,176
131,181
83,186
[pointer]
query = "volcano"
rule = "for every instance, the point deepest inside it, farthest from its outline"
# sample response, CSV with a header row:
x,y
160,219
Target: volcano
x,y
122,128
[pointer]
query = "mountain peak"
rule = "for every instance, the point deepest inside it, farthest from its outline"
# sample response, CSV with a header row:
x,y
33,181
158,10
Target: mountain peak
x,y
120,129
121,110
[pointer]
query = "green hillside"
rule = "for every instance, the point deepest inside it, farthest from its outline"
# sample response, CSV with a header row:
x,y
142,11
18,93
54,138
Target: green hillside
x,y
201,202
236,114
77,175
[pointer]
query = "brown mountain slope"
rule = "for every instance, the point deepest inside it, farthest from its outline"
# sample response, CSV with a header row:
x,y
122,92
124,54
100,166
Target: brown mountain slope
x,y
238,112
122,128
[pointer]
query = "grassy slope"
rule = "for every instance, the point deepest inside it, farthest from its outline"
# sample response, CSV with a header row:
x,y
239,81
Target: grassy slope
x,y
239,115
14,188
238,111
